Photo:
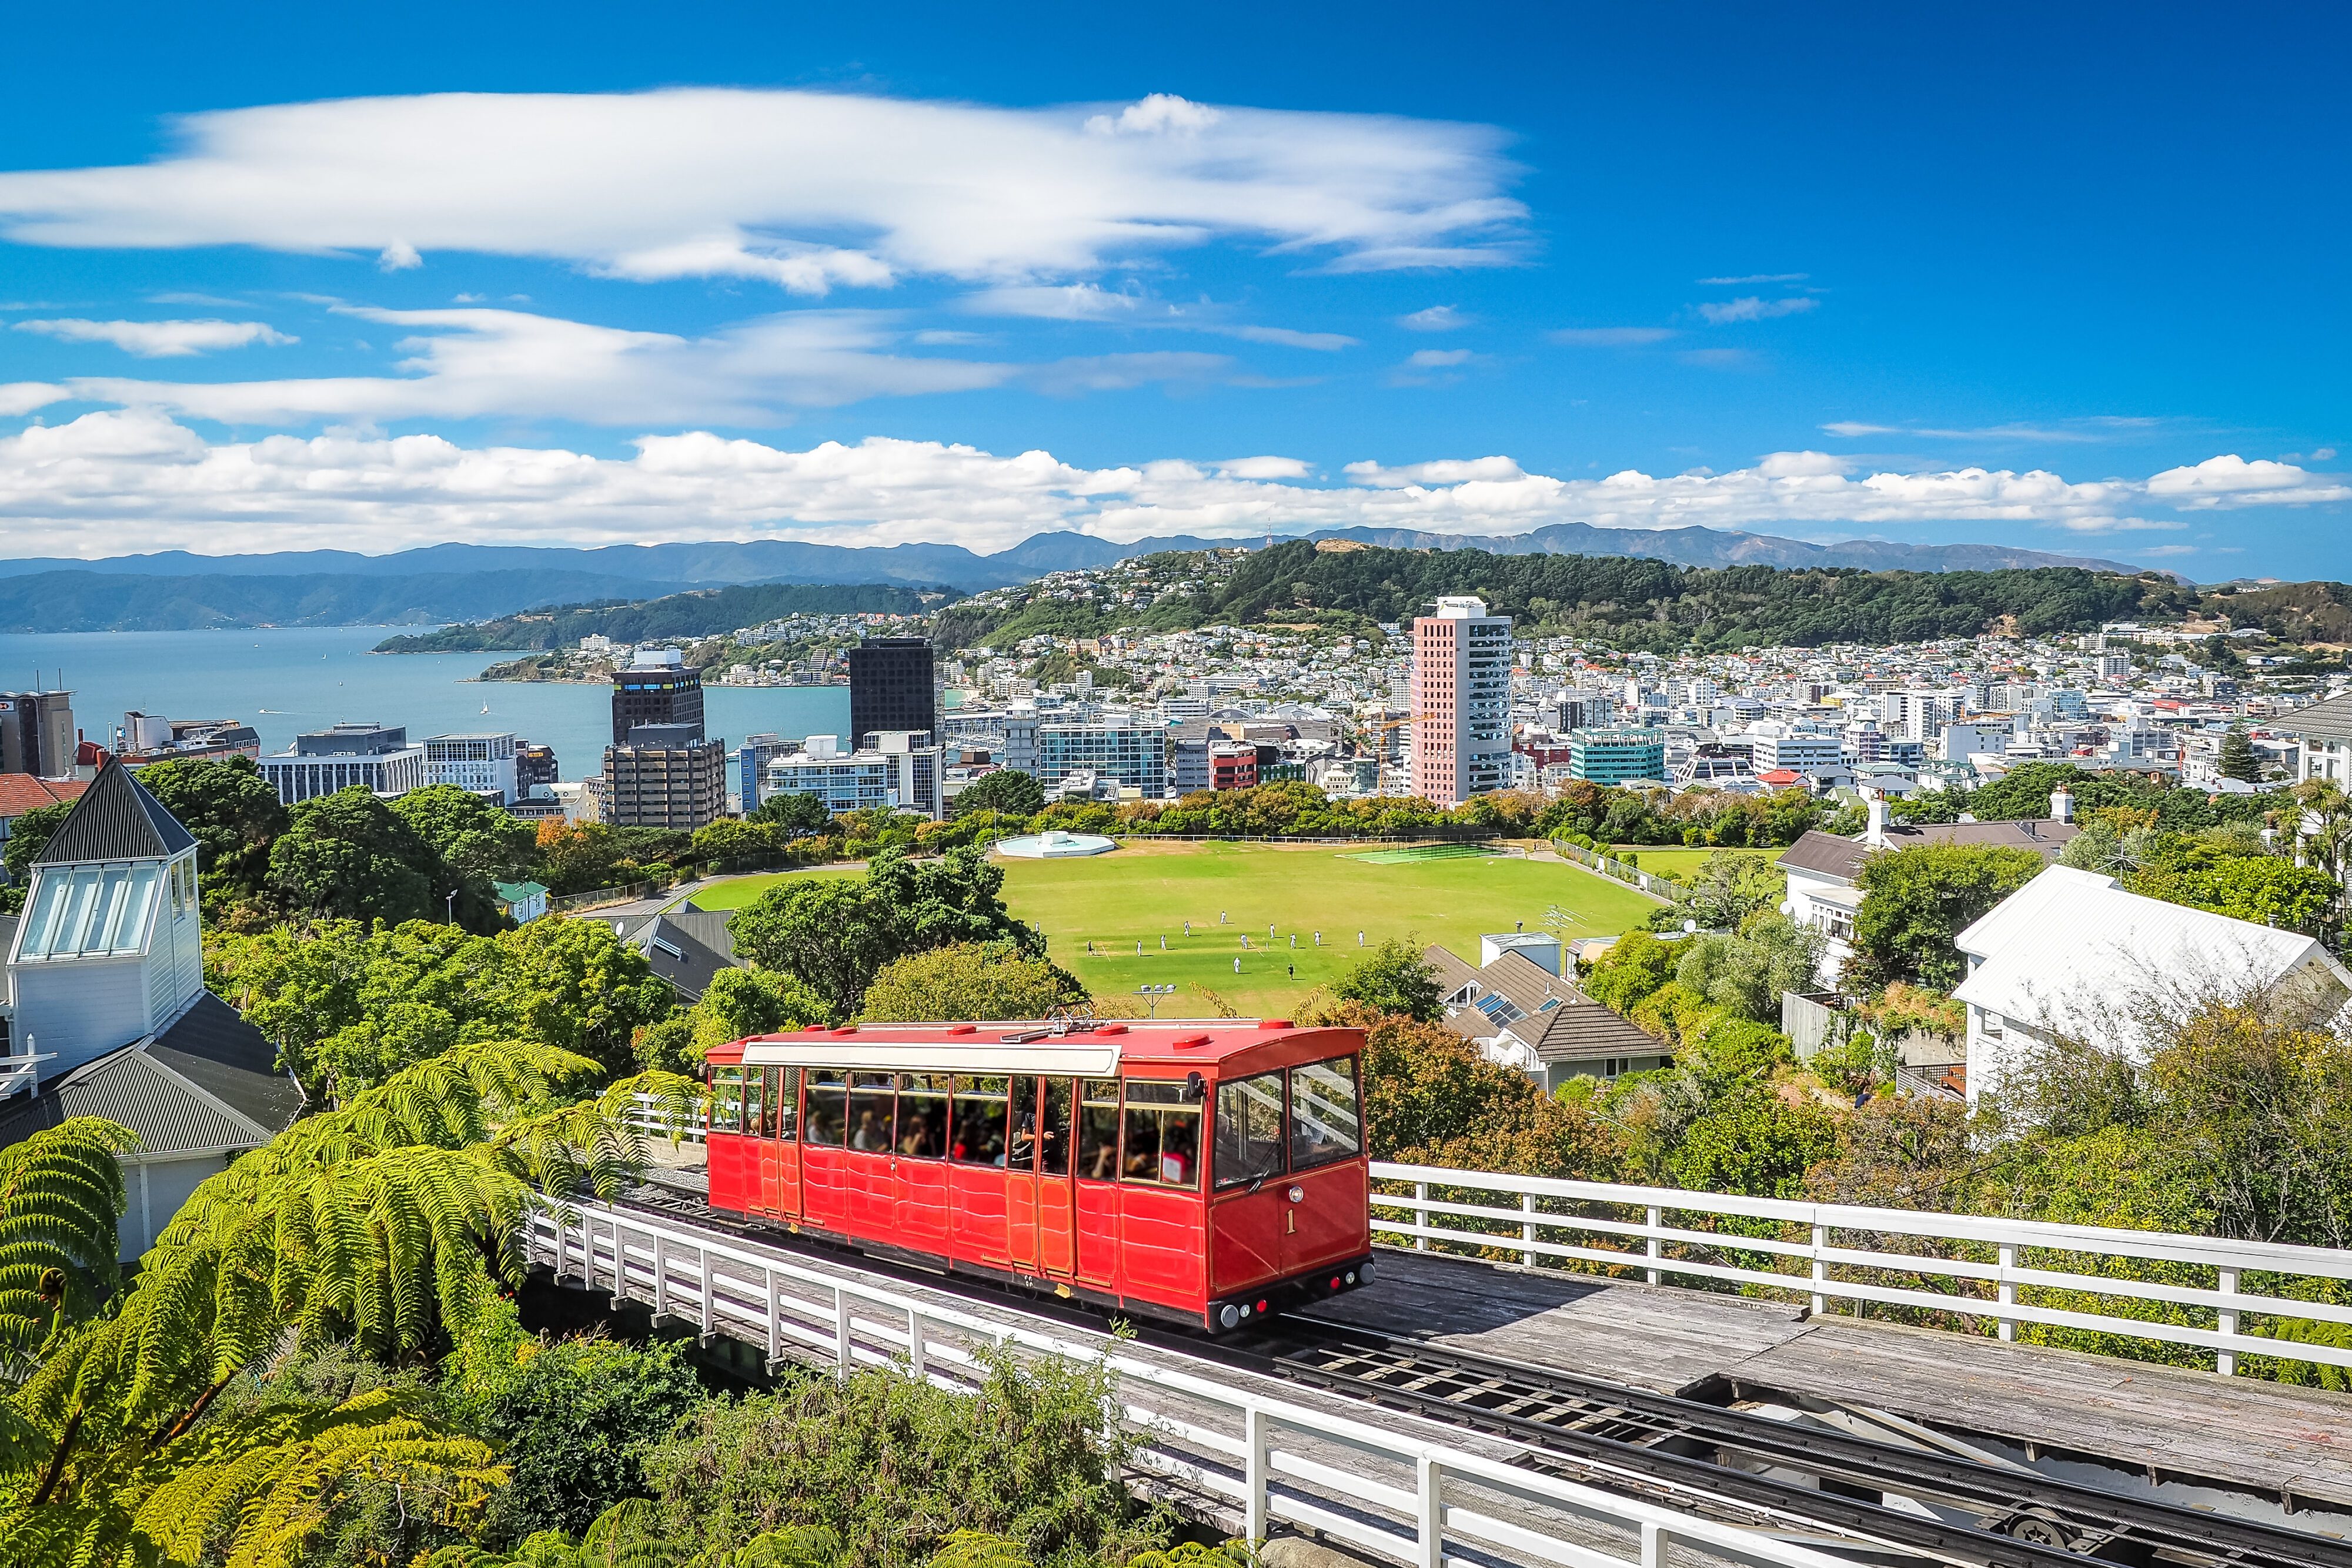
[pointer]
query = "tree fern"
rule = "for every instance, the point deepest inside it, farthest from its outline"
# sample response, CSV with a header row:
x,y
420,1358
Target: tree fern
x,y
61,1199
386,1222
249,1491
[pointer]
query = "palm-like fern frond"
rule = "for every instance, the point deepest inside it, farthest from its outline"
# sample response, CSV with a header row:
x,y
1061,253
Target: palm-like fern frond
x,y
593,1145
61,1198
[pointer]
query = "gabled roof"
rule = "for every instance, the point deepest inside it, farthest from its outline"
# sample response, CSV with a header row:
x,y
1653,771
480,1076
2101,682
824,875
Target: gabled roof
x,y
2329,718
204,1083
115,819
22,792
687,947
1534,1007
1826,855
2072,953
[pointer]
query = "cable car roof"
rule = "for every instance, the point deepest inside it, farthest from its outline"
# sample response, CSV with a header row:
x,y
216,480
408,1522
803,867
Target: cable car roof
x,y
1013,1046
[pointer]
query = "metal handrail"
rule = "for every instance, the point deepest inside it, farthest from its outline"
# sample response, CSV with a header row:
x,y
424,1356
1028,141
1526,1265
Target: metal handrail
x,y
1196,1430
1644,1239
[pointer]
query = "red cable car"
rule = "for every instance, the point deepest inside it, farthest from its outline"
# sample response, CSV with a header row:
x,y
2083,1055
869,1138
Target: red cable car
x,y
1203,1171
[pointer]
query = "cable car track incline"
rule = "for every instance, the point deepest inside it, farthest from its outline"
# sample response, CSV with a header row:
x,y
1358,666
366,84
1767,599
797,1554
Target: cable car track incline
x,y
1689,1453
2024,1515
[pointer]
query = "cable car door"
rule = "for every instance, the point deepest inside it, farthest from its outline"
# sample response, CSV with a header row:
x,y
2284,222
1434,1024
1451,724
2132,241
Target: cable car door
x,y
1021,1178
1057,1239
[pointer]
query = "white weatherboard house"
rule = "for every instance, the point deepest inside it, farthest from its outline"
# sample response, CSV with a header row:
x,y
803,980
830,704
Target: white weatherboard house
x,y
2072,955
108,1015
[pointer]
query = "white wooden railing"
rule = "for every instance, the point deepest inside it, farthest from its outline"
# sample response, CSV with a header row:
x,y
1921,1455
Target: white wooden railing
x,y
1648,1230
645,1116
1421,1501
23,1073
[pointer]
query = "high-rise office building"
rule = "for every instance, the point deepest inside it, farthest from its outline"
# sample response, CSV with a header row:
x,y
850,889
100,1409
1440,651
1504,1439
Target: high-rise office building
x,y
1133,754
891,687
1461,702
477,763
373,757
666,776
38,734
534,766
657,687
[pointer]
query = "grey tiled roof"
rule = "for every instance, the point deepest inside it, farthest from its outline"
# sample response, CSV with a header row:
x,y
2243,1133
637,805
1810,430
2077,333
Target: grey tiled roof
x,y
1558,1020
205,1082
115,819
1832,856
2330,718
680,949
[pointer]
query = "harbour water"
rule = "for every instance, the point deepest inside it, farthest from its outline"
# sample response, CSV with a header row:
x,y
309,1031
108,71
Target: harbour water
x,y
284,680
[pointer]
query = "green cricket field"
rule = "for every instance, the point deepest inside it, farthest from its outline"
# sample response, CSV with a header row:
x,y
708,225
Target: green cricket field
x,y
1189,907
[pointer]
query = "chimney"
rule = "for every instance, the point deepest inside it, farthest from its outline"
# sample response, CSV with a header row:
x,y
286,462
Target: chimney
x,y
2062,805
1877,836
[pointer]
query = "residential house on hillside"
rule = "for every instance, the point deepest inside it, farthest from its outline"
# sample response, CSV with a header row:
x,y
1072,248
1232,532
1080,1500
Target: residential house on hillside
x,y
685,946
1523,1014
108,1015
2072,955
1823,868
23,792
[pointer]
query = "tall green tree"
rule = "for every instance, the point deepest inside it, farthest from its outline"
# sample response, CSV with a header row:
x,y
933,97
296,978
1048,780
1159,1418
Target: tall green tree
x,y
472,835
233,813
350,856
1007,790
1916,901
29,835
2238,760
1393,978
834,933
793,813
968,980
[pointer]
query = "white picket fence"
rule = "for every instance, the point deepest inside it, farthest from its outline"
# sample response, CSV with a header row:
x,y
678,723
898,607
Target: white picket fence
x,y
1409,1493
1647,1230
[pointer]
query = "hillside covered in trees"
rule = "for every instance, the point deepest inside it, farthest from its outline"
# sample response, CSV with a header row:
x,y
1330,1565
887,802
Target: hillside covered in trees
x,y
1633,602
676,617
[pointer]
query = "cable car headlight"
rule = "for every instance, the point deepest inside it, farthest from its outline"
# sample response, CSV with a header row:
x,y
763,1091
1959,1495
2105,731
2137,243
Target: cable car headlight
x,y
1229,1316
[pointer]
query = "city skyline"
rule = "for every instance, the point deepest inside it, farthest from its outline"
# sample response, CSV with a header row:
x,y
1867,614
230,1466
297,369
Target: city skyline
x,y
757,276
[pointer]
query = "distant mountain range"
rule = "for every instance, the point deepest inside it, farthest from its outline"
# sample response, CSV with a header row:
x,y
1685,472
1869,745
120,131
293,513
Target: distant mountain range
x,y
175,590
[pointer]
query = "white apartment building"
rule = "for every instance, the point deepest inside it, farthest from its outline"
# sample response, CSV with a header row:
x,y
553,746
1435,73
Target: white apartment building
x,y
1797,749
904,774
474,762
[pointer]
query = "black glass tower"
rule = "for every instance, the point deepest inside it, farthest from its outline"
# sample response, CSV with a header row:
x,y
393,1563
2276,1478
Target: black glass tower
x,y
890,688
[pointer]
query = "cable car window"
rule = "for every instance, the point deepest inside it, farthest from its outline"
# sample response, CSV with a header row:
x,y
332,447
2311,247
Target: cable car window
x,y
1249,1130
727,1100
1098,1131
871,1098
784,1098
1162,1135
1024,1123
1326,1120
1054,1158
828,1106
922,1114
980,1121
751,1114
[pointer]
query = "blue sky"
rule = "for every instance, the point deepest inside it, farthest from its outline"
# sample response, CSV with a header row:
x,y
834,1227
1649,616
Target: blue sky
x,y
2071,278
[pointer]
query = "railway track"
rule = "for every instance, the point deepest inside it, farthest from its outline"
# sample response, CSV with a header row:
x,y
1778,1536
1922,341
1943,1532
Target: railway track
x,y
1878,1501
1939,1504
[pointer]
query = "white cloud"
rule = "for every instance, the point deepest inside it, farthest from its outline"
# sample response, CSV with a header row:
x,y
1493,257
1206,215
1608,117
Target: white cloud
x,y
1749,307
2231,481
1436,318
2104,431
1755,277
160,340
1610,337
472,362
805,190
1091,302
79,487
1117,372
1427,359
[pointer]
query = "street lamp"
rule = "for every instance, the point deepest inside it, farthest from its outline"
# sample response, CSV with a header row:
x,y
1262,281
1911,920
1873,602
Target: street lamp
x,y
451,902
1155,993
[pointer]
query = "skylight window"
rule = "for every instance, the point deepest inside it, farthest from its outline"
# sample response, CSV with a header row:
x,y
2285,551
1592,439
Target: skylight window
x,y
89,911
